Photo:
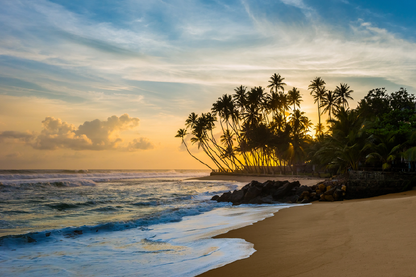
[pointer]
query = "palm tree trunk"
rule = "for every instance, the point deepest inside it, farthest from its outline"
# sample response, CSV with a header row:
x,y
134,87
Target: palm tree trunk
x,y
186,146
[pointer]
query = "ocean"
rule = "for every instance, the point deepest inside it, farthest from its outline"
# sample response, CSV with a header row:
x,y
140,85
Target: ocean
x,y
118,223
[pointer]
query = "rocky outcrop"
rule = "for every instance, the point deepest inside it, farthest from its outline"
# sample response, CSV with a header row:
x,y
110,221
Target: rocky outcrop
x,y
271,192
330,190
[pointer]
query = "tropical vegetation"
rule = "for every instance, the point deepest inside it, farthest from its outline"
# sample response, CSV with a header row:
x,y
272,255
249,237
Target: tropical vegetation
x,y
264,131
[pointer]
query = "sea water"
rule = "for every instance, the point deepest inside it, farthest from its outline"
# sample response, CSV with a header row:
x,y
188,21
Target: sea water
x,y
118,223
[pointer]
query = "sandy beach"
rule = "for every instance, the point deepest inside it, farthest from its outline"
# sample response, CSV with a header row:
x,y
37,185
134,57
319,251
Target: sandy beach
x,y
367,237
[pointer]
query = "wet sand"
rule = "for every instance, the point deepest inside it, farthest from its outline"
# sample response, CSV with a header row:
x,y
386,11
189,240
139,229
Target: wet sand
x,y
369,237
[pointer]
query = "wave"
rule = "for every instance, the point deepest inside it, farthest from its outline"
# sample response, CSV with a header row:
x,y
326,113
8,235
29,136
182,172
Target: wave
x,y
86,178
167,216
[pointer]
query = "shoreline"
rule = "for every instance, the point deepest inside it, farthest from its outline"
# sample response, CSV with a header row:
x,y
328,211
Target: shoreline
x,y
307,181
362,237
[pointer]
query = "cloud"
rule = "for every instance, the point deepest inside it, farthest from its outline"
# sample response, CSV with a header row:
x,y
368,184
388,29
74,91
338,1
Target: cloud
x,y
91,135
78,51
140,144
17,136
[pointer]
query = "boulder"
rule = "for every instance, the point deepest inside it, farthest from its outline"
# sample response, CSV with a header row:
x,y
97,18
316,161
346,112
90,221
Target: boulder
x,y
267,200
251,193
224,197
329,191
292,199
285,190
322,187
215,197
300,190
329,198
236,196
338,194
257,200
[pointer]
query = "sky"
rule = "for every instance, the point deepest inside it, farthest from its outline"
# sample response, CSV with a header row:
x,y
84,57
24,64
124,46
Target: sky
x,y
100,84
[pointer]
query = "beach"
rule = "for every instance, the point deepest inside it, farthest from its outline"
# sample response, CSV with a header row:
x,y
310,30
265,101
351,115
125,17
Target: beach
x,y
365,237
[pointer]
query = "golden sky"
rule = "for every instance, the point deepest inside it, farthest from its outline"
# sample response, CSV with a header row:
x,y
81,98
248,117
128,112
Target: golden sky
x,y
103,84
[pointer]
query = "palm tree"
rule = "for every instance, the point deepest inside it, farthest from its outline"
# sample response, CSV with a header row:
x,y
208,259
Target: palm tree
x,y
329,103
319,129
276,83
343,92
240,97
299,139
294,97
181,134
384,148
191,120
284,104
317,87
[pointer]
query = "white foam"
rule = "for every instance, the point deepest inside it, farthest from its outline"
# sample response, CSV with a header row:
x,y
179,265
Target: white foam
x,y
184,248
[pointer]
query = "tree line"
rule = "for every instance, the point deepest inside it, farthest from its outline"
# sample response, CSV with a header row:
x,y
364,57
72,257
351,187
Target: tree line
x,y
263,130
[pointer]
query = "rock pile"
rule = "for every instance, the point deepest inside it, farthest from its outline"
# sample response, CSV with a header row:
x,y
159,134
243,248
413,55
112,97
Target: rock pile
x,y
271,192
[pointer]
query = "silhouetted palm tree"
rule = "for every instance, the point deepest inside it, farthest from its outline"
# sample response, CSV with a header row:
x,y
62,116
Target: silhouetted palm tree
x,y
276,83
329,103
181,134
319,129
343,92
294,97
317,87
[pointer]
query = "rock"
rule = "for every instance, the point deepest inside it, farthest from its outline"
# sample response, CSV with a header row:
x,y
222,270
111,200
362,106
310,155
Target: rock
x,y
322,187
304,195
284,190
236,196
338,194
293,199
302,189
267,200
256,200
304,200
251,193
215,197
330,191
329,198
224,197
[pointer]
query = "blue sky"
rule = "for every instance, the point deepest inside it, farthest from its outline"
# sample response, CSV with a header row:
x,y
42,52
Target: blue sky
x,y
157,61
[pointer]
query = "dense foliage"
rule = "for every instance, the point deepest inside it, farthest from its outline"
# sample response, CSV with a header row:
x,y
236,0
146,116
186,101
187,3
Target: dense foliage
x,y
264,131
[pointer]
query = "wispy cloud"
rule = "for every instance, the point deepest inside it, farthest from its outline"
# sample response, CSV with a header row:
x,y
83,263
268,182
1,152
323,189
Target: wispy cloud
x,y
168,55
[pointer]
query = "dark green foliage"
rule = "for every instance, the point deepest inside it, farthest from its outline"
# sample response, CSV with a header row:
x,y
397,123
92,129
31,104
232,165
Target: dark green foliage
x,y
378,134
263,132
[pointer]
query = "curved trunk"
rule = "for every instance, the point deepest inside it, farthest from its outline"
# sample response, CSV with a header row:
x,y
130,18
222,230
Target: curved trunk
x,y
186,146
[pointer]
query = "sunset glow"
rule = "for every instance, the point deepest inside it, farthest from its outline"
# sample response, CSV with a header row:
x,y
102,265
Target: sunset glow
x,y
103,84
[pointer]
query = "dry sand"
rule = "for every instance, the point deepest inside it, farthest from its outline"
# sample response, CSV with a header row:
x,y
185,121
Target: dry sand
x,y
369,237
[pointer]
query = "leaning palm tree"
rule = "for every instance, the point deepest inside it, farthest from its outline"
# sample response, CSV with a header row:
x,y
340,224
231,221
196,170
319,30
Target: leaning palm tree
x,y
276,83
329,103
294,97
181,134
343,92
317,87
